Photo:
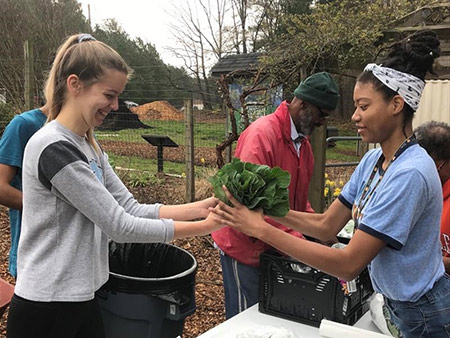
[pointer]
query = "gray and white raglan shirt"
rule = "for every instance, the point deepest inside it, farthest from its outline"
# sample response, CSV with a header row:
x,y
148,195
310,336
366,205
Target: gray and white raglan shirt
x,y
72,203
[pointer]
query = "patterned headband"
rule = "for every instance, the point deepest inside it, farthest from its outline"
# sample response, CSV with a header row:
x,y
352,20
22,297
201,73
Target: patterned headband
x,y
408,86
85,37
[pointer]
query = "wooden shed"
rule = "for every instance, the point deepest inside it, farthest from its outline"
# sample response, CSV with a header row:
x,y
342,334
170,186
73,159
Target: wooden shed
x,y
244,68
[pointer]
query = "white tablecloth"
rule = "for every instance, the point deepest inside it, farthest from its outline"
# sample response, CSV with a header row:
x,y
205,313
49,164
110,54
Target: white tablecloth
x,y
252,318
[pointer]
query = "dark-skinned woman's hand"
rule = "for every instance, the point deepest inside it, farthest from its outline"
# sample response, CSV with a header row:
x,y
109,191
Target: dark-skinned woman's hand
x,y
239,217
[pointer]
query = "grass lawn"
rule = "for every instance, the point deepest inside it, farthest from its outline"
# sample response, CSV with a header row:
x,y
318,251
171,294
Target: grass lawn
x,y
145,164
150,165
205,134
344,151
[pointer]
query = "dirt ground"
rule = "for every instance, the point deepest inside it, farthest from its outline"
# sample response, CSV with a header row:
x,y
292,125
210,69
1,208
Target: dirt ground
x,y
4,249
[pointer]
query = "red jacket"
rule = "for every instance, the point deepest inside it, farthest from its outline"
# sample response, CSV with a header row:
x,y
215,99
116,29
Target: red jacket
x,y
445,220
268,141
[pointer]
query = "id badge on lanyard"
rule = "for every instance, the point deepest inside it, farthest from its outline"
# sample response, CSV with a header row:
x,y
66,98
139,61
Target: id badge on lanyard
x,y
368,190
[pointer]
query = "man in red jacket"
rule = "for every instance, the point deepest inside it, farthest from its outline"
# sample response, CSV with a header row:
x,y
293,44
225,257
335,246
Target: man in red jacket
x,y
279,139
434,137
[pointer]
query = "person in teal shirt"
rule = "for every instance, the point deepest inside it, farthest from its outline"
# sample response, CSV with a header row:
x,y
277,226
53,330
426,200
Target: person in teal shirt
x,y
12,146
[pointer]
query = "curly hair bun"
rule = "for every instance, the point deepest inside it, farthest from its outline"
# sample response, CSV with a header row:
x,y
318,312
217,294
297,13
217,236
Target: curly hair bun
x,y
415,54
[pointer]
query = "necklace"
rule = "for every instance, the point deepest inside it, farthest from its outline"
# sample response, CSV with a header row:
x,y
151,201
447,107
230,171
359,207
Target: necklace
x,y
367,193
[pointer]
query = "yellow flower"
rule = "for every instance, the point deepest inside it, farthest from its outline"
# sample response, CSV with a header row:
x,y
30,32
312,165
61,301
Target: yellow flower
x,y
325,192
326,175
341,183
336,193
183,174
202,160
332,183
327,183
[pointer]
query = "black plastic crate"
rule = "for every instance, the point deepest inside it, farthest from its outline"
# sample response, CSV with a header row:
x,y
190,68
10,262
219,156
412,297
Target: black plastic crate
x,y
296,291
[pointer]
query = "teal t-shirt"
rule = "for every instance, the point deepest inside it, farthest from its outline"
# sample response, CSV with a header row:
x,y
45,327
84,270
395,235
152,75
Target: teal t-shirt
x,y
404,211
12,146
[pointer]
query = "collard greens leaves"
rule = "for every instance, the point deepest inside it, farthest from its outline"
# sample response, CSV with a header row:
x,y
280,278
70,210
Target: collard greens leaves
x,y
254,185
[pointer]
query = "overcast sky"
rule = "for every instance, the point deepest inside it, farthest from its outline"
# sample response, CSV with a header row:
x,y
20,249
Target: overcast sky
x,y
147,19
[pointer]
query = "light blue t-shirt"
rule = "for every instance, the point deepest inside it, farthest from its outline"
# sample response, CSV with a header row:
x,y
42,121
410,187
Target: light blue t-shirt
x,y
12,146
404,211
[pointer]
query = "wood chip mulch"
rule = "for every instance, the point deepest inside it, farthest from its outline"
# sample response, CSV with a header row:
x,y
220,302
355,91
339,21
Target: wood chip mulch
x,y
4,254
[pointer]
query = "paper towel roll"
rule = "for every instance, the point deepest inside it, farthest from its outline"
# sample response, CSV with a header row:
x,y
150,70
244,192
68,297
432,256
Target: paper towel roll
x,y
332,329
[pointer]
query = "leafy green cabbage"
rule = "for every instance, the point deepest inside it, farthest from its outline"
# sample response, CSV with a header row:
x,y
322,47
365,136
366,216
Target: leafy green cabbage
x,y
254,185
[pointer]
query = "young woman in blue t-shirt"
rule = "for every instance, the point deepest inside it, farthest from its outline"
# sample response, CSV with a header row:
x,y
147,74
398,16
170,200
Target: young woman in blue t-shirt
x,y
394,196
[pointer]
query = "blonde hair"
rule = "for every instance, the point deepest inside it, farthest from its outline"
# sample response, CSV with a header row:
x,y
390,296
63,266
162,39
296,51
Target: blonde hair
x,y
88,59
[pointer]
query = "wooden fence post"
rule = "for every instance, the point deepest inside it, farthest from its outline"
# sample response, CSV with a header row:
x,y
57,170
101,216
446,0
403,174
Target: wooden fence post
x,y
317,184
363,148
29,75
189,150
228,150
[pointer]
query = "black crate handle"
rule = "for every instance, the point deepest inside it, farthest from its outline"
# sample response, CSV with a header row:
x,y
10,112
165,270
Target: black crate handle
x,y
310,277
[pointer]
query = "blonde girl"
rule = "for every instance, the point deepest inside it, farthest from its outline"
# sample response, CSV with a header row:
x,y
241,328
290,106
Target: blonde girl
x,y
73,202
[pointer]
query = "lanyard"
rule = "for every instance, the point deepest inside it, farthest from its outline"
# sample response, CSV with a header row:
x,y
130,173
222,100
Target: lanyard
x,y
367,193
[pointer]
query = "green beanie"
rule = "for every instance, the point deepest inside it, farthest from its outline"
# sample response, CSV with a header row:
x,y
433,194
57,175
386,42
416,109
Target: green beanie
x,y
319,89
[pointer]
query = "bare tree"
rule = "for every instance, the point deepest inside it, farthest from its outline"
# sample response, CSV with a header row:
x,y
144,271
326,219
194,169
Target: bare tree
x,y
253,22
200,39
240,10
267,23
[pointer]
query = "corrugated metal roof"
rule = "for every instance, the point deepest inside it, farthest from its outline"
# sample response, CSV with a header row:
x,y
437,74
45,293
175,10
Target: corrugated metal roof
x,y
435,103
246,62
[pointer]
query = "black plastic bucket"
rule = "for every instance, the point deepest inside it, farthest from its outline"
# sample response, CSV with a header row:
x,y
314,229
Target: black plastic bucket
x,y
150,291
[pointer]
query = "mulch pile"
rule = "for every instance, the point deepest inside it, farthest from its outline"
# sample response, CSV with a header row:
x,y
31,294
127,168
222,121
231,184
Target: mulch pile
x,y
158,110
209,290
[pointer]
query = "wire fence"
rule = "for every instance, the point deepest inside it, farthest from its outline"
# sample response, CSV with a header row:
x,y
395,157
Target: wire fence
x,y
131,136
121,137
